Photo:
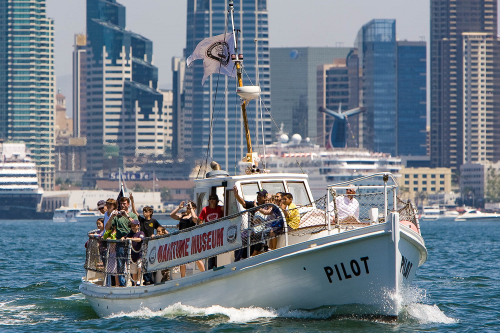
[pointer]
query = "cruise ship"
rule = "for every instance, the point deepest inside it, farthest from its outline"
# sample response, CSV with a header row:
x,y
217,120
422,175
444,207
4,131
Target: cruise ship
x,y
324,166
20,193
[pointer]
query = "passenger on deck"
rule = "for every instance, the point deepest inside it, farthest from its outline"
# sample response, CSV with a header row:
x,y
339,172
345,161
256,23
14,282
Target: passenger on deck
x,y
259,201
277,225
111,205
290,211
347,206
163,275
101,206
210,213
121,221
100,226
110,263
136,254
148,223
187,219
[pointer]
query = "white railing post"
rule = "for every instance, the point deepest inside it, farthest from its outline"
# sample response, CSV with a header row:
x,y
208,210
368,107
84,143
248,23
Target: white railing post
x,y
328,219
127,265
385,199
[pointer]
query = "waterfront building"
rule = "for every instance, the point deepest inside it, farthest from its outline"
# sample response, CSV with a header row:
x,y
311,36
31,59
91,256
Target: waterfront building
x,y
27,81
377,49
124,107
463,36
411,99
294,85
216,102
419,183
79,85
338,87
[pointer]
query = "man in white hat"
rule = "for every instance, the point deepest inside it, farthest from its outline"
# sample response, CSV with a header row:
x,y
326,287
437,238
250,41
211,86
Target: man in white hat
x,y
347,206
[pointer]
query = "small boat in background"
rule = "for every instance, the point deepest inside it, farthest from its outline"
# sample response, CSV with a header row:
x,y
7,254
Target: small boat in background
x,y
71,215
434,213
476,215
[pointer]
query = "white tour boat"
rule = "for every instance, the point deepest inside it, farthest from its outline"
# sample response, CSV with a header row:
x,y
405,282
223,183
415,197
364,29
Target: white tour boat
x,y
69,215
357,263
476,215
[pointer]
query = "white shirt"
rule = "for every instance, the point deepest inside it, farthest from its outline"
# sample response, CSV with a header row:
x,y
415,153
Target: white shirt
x,y
345,206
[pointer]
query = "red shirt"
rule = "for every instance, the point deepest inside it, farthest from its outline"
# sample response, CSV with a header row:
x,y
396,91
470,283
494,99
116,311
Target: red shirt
x,y
211,214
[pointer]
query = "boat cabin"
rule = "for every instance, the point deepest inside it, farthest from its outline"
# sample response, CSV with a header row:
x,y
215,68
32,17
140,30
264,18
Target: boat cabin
x,y
248,186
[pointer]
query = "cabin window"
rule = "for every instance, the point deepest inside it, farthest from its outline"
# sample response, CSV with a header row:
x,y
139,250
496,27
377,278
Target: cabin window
x,y
231,206
220,193
249,191
299,192
273,187
201,201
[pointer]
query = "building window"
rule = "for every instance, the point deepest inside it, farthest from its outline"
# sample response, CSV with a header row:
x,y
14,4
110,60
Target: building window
x,y
441,176
415,176
407,176
424,189
433,182
415,189
424,176
415,182
441,188
407,182
433,189
433,176
424,182
441,182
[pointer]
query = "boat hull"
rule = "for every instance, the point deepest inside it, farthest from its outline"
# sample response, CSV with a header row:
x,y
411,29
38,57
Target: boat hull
x,y
364,267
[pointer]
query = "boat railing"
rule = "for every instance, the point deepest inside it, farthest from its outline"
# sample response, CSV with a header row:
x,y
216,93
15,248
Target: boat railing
x,y
375,202
237,233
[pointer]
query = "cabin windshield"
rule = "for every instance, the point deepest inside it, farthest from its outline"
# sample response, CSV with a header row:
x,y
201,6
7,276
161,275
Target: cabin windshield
x,y
299,192
273,187
249,191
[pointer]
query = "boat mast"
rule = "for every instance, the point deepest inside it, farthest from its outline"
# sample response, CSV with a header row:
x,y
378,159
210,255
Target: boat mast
x,y
237,59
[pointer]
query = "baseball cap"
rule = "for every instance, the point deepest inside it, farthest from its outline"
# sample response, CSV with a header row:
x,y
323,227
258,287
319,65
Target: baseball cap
x,y
135,222
101,204
262,193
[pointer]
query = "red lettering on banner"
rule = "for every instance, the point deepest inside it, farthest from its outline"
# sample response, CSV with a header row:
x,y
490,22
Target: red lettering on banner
x,y
198,243
193,245
204,241
209,240
159,255
186,247
220,237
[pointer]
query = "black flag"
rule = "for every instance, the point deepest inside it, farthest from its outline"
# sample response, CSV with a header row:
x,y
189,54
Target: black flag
x,y
118,200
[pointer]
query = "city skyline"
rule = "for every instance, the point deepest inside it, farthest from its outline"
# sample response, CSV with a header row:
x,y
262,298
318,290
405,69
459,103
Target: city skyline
x,y
412,22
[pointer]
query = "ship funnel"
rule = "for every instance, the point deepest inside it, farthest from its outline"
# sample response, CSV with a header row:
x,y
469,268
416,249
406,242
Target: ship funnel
x,y
214,165
248,93
216,171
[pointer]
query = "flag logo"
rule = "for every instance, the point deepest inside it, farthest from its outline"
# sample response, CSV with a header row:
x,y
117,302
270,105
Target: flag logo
x,y
219,51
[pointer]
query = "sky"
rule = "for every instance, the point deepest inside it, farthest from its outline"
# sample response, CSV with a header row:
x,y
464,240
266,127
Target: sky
x,y
292,23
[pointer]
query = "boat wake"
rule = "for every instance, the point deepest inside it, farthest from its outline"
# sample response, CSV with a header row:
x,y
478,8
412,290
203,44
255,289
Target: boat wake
x,y
413,310
242,315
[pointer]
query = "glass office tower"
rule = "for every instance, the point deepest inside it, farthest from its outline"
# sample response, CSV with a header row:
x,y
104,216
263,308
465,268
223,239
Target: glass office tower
x,y
217,101
376,43
124,109
412,106
27,81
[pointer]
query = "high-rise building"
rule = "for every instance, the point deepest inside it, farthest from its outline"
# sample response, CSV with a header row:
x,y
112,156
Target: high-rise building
x,y
377,49
338,88
79,85
124,108
167,123
178,122
411,97
216,102
294,87
464,79
27,81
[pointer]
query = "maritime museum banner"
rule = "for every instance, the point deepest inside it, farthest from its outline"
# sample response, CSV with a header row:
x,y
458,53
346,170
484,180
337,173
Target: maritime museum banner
x,y
199,243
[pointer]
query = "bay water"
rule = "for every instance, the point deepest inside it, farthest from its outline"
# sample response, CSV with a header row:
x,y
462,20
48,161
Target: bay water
x,y
41,265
